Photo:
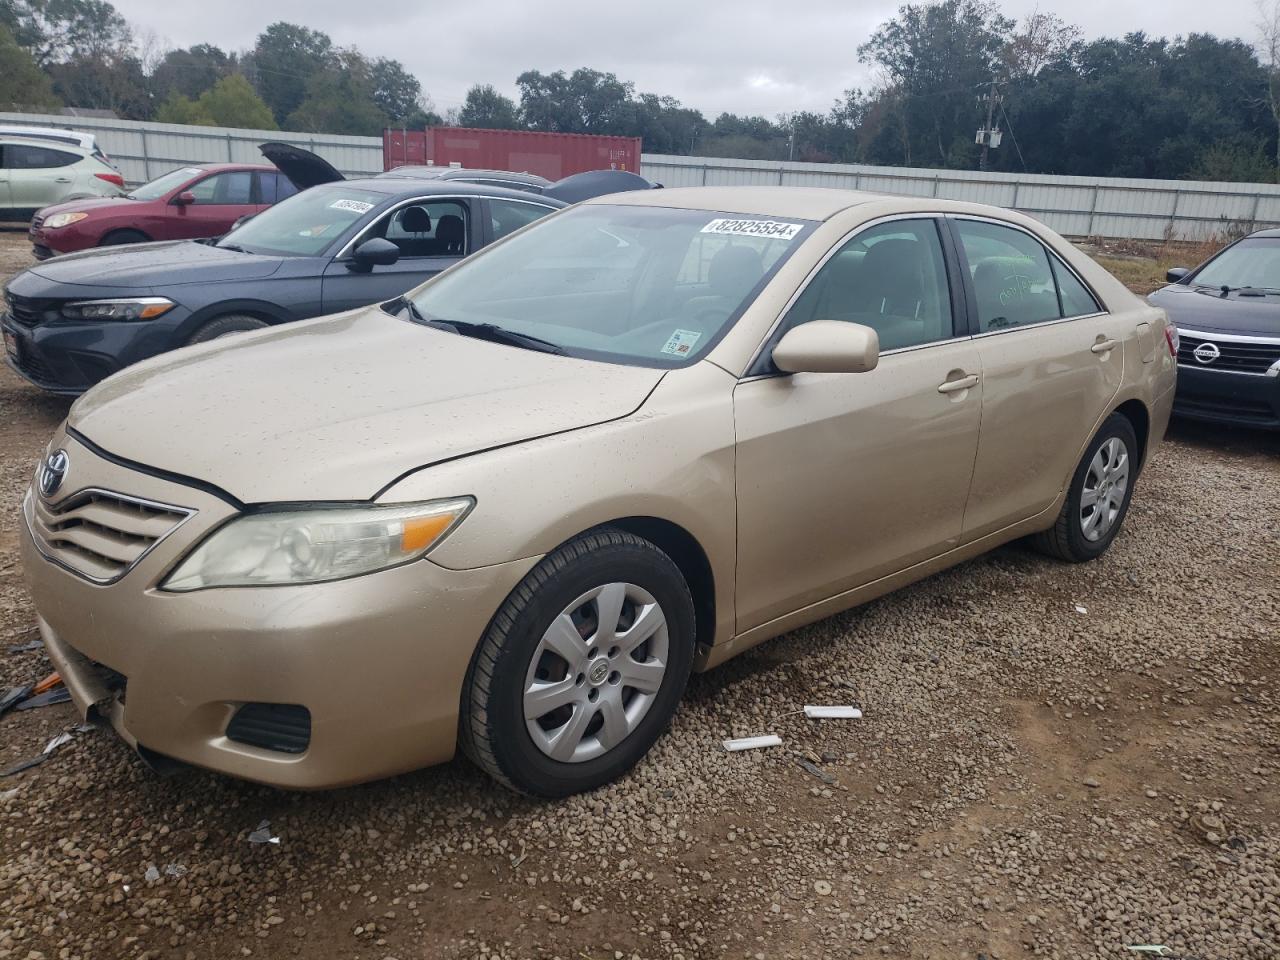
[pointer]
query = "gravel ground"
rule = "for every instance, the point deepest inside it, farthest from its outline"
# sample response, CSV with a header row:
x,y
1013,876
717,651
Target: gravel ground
x,y
1055,761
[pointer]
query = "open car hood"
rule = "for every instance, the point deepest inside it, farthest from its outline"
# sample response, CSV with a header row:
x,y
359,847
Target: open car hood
x,y
596,183
303,167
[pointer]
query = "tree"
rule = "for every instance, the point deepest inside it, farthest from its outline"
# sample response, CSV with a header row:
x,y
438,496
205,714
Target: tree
x,y
1041,39
64,30
180,109
231,102
1269,30
110,81
22,84
587,101
284,61
398,94
190,72
340,100
486,108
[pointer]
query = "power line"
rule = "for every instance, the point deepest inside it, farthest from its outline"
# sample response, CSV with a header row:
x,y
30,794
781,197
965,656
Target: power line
x,y
1013,136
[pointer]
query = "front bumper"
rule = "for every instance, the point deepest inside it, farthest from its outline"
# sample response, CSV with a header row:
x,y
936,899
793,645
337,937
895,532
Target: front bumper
x,y
1243,399
68,358
378,660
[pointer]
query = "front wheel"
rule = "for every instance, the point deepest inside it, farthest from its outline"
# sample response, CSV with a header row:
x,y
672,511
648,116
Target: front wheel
x,y
225,326
1098,499
581,669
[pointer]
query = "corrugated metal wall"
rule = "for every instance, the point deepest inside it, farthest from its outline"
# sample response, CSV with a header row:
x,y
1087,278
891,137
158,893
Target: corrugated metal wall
x,y
1076,206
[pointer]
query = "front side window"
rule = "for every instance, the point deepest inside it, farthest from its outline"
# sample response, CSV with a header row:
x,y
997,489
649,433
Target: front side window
x,y
1013,281
652,286
225,188
891,277
508,216
163,185
306,224
23,156
429,228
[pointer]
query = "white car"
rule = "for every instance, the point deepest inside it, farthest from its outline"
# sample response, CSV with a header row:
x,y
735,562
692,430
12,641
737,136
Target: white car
x,y
76,138
35,173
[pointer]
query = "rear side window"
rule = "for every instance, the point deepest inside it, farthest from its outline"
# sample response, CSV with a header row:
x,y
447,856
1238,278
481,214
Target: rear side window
x,y
508,216
1016,281
25,156
273,187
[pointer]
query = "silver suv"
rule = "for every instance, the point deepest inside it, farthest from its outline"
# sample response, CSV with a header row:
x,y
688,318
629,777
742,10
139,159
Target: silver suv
x,y
35,173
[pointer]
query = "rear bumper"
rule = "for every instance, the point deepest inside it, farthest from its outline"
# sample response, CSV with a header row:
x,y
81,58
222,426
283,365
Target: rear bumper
x,y
1250,400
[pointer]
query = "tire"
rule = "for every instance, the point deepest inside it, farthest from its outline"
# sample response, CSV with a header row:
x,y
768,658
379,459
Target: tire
x,y
118,238
515,658
1084,531
225,326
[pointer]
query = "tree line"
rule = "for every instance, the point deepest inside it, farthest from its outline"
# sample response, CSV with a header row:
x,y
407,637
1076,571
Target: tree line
x,y
1199,106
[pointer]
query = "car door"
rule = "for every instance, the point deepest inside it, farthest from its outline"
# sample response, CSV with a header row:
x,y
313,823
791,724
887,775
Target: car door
x,y
6,203
433,233
1052,361
846,478
38,175
217,201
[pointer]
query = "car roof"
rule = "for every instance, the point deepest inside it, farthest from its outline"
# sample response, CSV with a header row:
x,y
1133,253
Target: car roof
x,y
428,171
48,142
418,187
1265,234
21,129
806,203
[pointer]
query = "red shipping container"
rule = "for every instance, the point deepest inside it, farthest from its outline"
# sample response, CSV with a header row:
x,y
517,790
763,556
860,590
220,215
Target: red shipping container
x,y
550,155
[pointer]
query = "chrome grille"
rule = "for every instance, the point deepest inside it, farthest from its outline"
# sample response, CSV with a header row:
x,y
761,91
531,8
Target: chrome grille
x,y
37,222
99,534
1234,356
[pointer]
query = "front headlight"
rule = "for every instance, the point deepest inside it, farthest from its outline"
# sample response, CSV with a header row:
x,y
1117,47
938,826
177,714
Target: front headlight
x,y
63,220
133,308
309,546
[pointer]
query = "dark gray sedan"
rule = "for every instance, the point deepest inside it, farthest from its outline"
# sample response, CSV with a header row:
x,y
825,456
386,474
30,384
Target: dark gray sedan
x,y
73,320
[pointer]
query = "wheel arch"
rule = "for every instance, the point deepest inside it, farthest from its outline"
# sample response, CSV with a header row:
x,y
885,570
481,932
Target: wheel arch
x,y
1136,412
265,311
102,240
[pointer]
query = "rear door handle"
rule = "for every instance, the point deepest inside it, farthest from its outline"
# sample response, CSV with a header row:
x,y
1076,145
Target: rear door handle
x,y
954,386
1102,346
61,179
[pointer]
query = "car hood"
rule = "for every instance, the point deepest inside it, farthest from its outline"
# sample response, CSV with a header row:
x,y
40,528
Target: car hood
x,y
1210,311
91,205
155,265
337,408
303,167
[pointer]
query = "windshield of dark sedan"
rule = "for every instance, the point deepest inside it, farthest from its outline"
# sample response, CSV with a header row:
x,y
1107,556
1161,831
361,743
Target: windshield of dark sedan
x,y
1250,263
160,186
654,286
305,224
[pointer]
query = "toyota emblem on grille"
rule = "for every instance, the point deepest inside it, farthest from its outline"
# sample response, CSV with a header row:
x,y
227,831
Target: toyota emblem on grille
x,y
1206,352
52,472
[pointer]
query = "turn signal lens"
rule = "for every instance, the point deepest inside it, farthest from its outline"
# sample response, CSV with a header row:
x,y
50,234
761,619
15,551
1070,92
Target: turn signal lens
x,y
273,548
1171,338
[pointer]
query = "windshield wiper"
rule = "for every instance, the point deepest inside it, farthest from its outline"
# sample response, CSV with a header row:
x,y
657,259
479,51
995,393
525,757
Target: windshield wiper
x,y
233,247
496,334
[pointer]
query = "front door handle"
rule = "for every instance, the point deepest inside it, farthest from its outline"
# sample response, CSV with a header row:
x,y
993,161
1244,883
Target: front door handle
x,y
1102,346
954,386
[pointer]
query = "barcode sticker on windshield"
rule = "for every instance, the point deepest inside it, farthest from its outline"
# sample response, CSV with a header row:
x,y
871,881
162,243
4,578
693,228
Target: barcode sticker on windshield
x,y
355,206
768,229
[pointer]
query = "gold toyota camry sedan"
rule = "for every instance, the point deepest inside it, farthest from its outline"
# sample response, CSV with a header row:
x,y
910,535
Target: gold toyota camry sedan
x,y
513,509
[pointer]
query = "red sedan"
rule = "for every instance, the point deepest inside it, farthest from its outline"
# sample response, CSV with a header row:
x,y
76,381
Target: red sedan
x,y
200,200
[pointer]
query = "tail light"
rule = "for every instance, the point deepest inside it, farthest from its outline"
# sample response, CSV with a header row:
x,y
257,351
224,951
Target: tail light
x,y
114,178
1171,338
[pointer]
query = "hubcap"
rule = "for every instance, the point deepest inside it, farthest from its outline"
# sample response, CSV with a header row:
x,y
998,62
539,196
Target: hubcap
x,y
596,672
1104,489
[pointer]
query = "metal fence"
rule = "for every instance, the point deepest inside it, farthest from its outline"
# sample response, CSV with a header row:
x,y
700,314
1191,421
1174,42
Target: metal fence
x,y
1110,207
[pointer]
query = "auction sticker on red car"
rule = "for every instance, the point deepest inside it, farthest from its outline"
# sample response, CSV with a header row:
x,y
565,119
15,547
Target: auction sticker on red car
x,y
768,229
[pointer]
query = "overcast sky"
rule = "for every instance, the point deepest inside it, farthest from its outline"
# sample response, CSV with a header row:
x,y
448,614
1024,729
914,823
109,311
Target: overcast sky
x,y
744,56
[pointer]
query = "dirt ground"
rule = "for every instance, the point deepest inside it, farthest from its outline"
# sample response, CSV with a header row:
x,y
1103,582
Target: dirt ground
x,y
1056,761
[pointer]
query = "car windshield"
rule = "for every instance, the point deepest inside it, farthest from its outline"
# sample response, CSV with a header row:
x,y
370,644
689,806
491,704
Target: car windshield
x,y
1249,263
306,224
653,286
160,186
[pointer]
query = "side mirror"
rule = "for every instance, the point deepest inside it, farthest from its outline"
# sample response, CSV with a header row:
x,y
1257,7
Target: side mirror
x,y
1174,274
184,198
828,346
378,252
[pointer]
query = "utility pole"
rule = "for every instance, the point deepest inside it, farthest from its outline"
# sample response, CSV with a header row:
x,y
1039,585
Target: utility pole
x,y
989,136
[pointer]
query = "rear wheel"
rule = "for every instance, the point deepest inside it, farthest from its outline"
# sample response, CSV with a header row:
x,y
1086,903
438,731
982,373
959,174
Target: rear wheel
x,y
119,237
227,326
1098,499
582,667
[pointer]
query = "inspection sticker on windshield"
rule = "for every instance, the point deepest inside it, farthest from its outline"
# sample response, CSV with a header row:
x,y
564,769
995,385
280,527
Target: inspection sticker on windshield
x,y
768,229
681,342
355,206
